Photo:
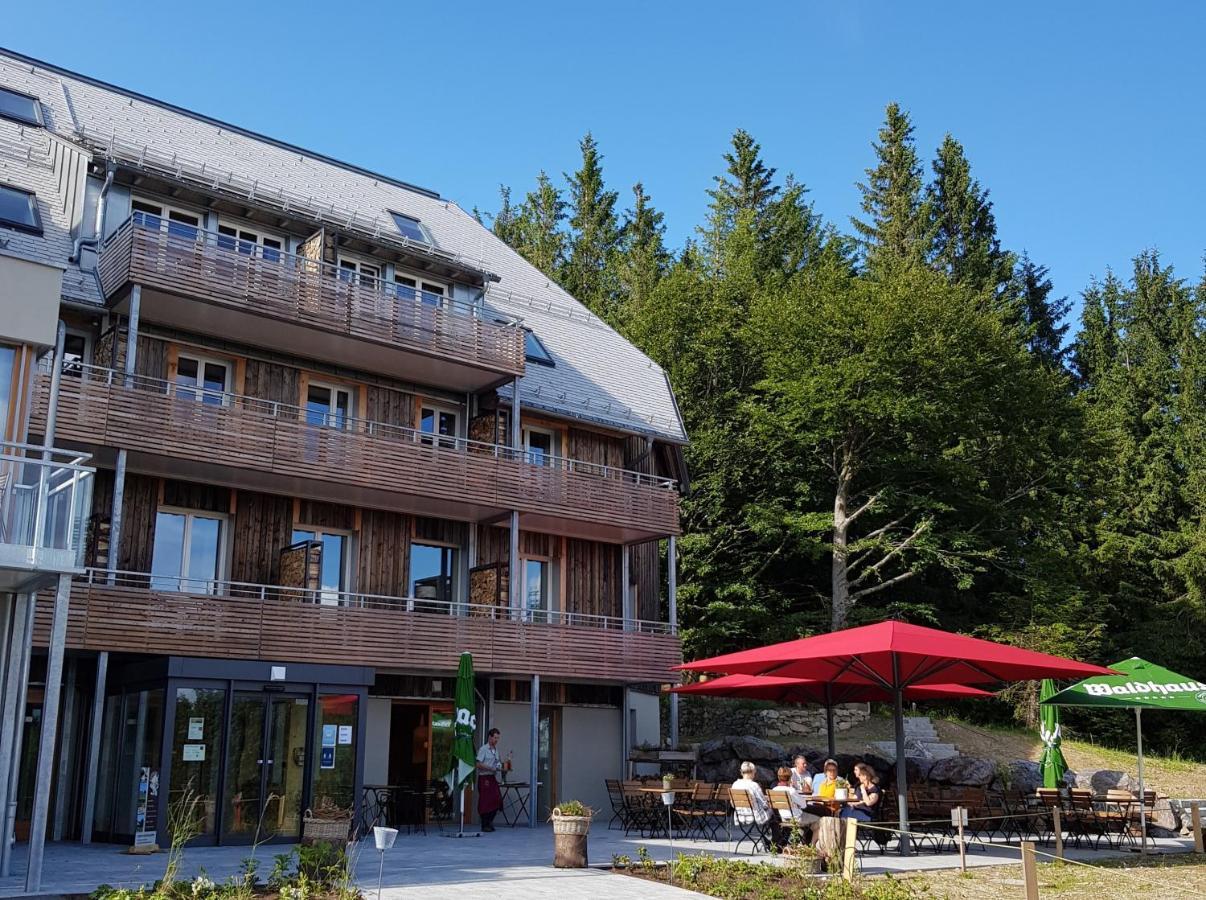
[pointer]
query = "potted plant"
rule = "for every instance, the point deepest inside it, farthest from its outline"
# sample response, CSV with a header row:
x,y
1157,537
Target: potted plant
x,y
801,855
571,825
841,789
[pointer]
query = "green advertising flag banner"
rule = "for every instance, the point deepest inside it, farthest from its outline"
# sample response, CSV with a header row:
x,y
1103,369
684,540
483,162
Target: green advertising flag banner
x,y
1051,763
463,763
1142,684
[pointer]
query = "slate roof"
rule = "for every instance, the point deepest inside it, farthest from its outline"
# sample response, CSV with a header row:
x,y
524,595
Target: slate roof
x,y
598,376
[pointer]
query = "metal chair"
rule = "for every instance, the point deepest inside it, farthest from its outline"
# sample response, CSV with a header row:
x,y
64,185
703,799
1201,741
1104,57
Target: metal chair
x,y
615,796
745,817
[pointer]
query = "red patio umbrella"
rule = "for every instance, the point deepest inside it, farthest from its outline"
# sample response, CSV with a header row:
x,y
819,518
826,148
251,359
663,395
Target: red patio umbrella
x,y
824,693
896,656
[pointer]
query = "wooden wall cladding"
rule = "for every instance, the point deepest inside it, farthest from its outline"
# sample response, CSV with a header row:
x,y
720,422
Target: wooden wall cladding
x,y
593,577
263,525
193,495
272,382
441,531
597,448
138,523
384,553
325,515
644,571
494,544
388,406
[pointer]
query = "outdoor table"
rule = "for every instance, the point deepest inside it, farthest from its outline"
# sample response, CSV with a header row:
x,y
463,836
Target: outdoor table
x,y
656,823
515,798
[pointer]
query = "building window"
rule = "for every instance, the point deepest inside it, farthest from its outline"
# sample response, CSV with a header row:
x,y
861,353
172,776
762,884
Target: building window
x,y
187,553
536,598
336,561
181,223
329,406
534,349
429,293
432,576
250,243
412,228
19,210
540,446
20,107
77,353
203,380
355,271
436,421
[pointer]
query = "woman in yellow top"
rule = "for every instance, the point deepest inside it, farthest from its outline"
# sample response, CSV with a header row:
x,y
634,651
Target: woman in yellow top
x,y
825,784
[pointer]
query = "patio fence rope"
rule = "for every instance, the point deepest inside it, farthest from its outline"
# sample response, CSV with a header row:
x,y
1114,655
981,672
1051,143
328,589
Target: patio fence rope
x,y
1028,847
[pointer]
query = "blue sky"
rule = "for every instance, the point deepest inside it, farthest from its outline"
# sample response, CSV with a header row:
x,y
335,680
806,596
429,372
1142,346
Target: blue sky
x,y
1085,120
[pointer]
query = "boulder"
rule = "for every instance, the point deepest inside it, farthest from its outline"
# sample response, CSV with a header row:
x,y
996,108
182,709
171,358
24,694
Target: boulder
x,y
882,767
758,750
716,749
916,770
1101,780
1164,817
1022,775
964,770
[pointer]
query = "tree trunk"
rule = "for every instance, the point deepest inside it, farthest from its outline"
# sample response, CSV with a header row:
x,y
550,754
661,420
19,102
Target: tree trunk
x,y
840,605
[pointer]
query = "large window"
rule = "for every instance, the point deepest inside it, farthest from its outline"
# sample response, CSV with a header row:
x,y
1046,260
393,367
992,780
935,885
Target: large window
x,y
357,271
181,223
435,420
336,561
432,576
188,551
250,242
203,379
20,107
19,210
429,293
409,226
536,597
328,405
541,446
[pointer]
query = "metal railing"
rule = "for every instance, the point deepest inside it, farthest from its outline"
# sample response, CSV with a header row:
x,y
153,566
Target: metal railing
x,y
334,423
182,236
44,503
341,599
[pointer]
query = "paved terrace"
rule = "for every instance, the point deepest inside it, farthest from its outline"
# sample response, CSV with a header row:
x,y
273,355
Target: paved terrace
x,y
508,864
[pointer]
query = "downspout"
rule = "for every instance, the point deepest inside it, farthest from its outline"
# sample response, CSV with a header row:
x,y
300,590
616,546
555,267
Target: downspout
x,y
98,227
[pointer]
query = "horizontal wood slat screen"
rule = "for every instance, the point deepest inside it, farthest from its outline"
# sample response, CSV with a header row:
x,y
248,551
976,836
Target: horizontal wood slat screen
x,y
142,620
291,289
105,413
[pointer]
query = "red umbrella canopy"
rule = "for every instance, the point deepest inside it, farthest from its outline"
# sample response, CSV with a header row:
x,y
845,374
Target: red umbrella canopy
x,y
897,654
807,690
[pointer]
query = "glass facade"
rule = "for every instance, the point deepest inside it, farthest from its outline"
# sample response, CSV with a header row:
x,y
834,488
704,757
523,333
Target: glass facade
x,y
197,743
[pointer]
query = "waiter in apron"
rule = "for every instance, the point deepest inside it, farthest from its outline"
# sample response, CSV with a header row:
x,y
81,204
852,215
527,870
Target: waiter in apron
x,y
489,796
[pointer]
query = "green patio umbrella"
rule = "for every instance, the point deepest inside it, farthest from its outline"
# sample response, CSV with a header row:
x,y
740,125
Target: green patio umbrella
x,y
1052,763
1142,685
463,762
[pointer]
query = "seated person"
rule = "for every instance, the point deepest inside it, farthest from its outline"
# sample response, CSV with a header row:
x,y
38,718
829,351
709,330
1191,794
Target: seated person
x,y
825,783
864,805
761,806
801,776
796,800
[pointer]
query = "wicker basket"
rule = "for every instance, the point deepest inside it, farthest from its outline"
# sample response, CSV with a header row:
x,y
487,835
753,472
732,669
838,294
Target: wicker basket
x,y
328,825
569,824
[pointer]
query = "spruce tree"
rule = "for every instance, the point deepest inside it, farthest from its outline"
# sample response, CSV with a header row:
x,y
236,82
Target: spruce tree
x,y
962,225
642,259
746,187
594,234
896,227
1042,316
506,225
538,230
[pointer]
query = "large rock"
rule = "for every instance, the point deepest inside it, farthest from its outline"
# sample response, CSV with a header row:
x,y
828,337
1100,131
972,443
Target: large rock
x,y
717,750
1101,780
964,770
916,770
1020,775
883,768
1165,817
758,750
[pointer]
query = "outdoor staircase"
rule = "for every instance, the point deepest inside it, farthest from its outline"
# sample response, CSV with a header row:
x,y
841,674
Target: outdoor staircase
x,y
921,742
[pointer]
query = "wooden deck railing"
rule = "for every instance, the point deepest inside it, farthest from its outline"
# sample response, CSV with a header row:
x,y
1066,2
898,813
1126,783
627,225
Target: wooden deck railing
x,y
215,268
284,624
101,407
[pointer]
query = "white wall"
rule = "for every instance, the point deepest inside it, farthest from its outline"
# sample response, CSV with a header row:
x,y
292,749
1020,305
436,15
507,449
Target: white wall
x,y
376,740
29,301
590,753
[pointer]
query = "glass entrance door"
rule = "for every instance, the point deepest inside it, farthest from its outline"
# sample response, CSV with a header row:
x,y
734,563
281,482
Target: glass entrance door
x,y
265,767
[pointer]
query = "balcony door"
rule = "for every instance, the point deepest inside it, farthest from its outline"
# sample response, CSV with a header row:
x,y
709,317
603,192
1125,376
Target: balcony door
x,y
265,767
188,553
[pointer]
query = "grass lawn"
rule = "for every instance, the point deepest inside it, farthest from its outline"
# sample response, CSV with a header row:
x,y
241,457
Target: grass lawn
x,y
1181,876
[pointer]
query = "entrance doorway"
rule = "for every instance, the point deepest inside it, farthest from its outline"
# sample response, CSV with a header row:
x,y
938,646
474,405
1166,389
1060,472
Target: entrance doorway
x,y
265,767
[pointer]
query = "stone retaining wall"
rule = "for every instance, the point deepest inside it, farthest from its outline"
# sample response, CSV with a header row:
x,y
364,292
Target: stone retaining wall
x,y
705,717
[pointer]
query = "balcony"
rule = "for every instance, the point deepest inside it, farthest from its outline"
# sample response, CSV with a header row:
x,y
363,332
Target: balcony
x,y
244,442
45,498
213,284
139,613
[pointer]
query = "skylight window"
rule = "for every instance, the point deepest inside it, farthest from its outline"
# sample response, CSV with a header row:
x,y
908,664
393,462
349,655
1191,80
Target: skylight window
x,y
534,349
19,209
20,107
412,228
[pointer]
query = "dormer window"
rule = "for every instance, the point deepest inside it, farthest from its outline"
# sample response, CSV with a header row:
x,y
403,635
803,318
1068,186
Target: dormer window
x,y
20,107
411,228
534,349
19,210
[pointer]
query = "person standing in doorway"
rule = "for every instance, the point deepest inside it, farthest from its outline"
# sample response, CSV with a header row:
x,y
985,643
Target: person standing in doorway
x,y
489,765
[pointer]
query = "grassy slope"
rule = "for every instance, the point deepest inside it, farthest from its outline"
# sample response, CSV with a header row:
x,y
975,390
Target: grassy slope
x,y
1164,877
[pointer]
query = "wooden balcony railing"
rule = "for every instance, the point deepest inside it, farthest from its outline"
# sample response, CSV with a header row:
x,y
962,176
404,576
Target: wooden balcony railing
x,y
137,613
462,479
215,268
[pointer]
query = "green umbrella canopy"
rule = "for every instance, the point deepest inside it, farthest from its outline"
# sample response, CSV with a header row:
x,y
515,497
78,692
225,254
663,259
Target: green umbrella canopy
x,y
1143,684
1052,763
463,762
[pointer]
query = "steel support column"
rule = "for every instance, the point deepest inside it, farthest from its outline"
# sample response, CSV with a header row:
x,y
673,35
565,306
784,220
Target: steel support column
x,y
119,475
94,741
62,779
14,641
23,650
46,741
534,764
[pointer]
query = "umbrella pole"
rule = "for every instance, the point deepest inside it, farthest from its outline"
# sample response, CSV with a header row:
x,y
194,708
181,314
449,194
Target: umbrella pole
x,y
1142,797
829,728
902,787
